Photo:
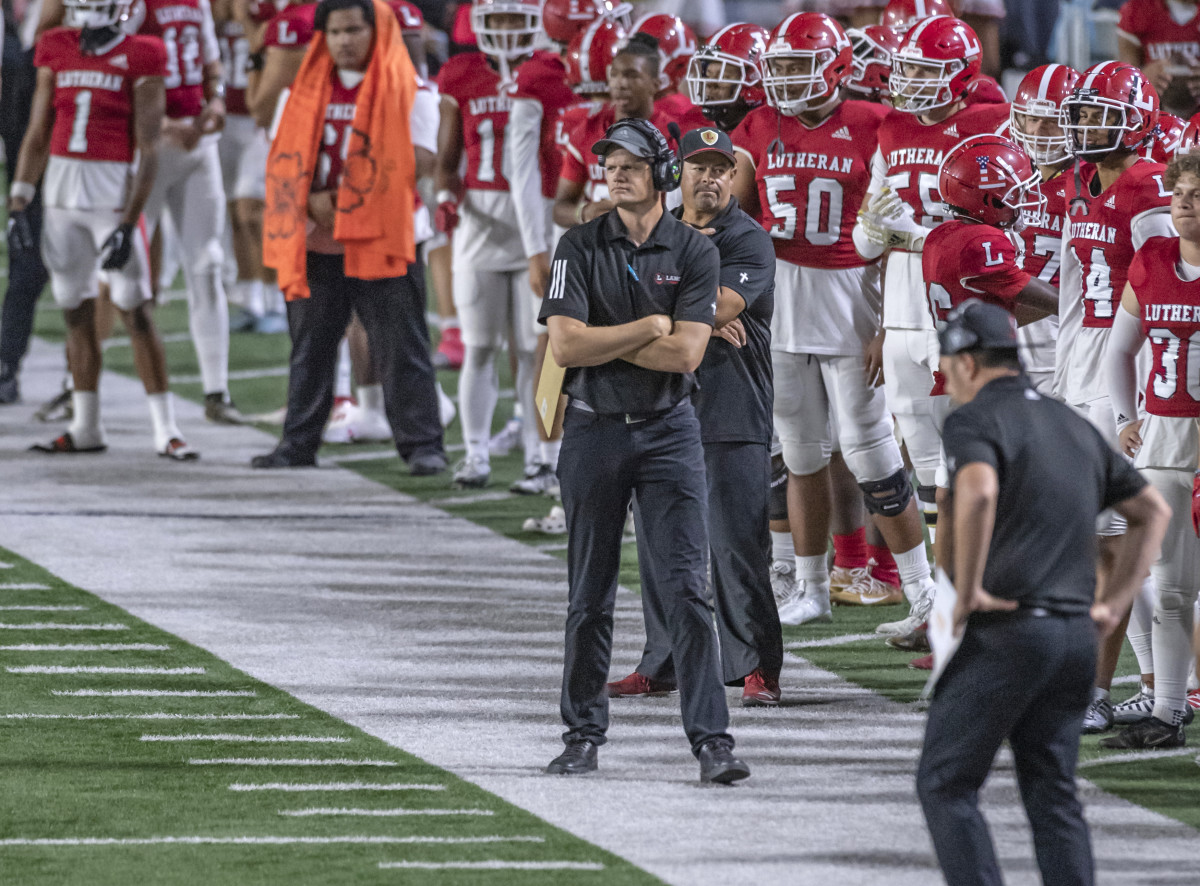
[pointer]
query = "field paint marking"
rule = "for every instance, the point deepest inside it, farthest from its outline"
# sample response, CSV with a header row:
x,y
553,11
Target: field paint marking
x,y
272,761
1135,756
235,375
44,608
492,865
334,786
253,841
168,338
158,693
158,715
86,647
6,565
23,585
233,736
383,813
58,626
61,669
471,499
1128,678
835,641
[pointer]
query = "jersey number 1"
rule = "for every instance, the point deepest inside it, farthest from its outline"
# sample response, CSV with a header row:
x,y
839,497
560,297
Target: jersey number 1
x,y
83,110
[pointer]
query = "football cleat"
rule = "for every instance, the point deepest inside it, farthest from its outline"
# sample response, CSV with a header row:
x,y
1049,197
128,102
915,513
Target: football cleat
x,y
637,686
538,480
449,353
554,523
369,426
1136,708
57,408
178,450
783,580
809,603
338,429
1149,734
760,690
506,440
917,615
917,641
219,410
841,578
65,444
924,663
866,590
1098,717
472,472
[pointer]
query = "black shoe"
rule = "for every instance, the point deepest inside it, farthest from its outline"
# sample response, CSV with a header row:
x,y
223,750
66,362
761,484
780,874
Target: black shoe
x,y
578,758
1152,733
278,459
427,464
718,764
219,410
10,389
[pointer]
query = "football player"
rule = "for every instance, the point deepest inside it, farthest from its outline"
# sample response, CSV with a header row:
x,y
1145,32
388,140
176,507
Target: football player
x,y
1114,204
724,78
1161,304
1163,40
871,66
676,47
98,103
827,302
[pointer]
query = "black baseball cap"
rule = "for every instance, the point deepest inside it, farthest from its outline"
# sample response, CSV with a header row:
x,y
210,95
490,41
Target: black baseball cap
x,y
705,139
977,326
631,137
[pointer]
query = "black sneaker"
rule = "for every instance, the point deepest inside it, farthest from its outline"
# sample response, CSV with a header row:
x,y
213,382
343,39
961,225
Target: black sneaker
x,y
718,765
578,758
278,459
1152,733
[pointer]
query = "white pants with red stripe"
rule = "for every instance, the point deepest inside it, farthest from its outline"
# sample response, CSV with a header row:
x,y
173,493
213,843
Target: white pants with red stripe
x,y
71,244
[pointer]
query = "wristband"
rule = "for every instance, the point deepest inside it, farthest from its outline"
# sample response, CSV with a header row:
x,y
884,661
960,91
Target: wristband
x,y
579,212
22,190
255,61
446,196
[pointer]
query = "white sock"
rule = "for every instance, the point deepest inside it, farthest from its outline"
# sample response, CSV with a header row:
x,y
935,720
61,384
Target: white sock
x,y
208,321
477,393
341,384
273,302
370,398
85,427
913,567
1141,620
445,323
253,297
783,549
814,569
526,380
162,418
1173,657
550,452
518,406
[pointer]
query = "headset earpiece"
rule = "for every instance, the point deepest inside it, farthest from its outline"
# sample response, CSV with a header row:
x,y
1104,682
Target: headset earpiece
x,y
665,168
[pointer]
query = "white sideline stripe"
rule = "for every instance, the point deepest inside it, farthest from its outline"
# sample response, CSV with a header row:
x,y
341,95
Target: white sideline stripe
x,y
86,647
168,338
62,669
1127,679
44,608
382,813
835,641
6,565
272,761
469,499
235,374
233,736
334,786
1136,756
58,626
157,715
22,585
253,841
158,693
492,865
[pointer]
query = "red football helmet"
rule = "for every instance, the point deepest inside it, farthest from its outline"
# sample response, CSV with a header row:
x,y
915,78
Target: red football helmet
x,y
1189,139
871,65
676,46
506,43
563,20
407,14
1165,143
262,11
807,58
1128,111
590,53
726,69
1040,96
934,65
901,15
990,179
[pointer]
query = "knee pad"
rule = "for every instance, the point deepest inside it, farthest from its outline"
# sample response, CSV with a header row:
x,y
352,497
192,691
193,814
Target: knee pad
x,y
805,458
1175,599
888,497
778,508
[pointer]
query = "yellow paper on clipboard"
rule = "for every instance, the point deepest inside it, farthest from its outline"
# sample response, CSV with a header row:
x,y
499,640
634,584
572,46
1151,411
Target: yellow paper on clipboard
x,y
549,389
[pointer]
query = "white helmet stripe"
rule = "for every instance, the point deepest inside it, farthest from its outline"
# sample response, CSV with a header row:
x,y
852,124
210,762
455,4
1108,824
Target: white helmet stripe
x,y
585,53
787,22
918,28
1047,79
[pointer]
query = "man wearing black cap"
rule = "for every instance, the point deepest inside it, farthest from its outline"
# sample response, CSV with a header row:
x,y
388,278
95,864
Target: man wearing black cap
x,y
630,308
734,409
1026,472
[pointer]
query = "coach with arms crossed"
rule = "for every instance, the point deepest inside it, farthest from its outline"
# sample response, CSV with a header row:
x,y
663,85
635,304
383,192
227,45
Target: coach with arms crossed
x,y
1026,472
630,309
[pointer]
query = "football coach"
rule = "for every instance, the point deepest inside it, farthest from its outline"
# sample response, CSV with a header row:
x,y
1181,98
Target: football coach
x,y
734,409
1027,474
630,308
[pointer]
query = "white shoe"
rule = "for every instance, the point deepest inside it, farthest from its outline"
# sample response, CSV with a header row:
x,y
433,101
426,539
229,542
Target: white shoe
x,y
338,429
809,603
446,408
783,580
538,480
554,523
1136,709
917,615
369,426
473,472
505,441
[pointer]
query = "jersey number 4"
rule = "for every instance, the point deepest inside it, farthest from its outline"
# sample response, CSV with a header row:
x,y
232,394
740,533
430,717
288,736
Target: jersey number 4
x,y
823,209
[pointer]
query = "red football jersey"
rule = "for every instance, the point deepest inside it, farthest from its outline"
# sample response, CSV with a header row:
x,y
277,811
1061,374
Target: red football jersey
x,y
965,260
292,28
235,49
1151,24
912,153
483,104
1101,239
1171,321
93,94
810,197
1042,235
335,135
182,26
544,79
579,164
679,108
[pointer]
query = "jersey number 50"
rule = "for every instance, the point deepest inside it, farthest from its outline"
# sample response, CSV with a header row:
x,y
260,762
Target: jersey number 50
x,y
823,209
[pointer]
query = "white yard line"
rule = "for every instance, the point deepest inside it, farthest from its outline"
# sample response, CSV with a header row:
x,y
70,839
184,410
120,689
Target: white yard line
x,y
254,841
492,865
23,586
86,647
149,716
65,669
235,375
293,787
835,641
272,761
157,693
44,608
56,626
1135,756
381,813
266,739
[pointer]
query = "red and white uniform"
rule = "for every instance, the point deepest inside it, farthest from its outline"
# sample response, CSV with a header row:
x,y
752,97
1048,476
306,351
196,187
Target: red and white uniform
x,y
91,148
292,28
1041,256
580,165
679,108
1152,25
243,147
186,29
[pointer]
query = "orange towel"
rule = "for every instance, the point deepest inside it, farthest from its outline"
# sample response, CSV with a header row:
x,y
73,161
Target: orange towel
x,y
375,197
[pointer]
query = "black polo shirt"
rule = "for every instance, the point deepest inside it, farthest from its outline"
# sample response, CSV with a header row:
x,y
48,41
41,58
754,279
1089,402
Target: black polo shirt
x,y
600,277
1056,475
735,398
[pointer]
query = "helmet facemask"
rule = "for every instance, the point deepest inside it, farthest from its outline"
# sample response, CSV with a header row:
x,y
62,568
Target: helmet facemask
x,y
1093,135
506,30
926,84
1044,150
795,80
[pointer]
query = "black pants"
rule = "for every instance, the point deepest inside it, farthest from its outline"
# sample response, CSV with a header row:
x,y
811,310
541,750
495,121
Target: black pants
x,y
27,275
739,540
1026,679
603,462
393,312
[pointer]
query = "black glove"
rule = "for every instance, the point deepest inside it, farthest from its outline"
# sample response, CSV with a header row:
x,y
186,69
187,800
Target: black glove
x,y
117,248
20,232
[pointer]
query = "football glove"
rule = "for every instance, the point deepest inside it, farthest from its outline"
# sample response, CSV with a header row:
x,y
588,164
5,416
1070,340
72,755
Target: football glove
x,y
890,223
1196,504
20,232
117,248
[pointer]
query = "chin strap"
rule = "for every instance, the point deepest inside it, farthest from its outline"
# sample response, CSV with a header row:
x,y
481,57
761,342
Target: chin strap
x,y
92,40
1079,204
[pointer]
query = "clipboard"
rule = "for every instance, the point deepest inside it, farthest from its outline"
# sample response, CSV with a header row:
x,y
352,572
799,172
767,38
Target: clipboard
x,y
548,398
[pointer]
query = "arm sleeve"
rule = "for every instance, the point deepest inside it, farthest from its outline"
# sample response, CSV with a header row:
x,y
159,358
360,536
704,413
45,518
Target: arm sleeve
x,y
748,265
573,166
1070,315
567,293
522,168
866,248
1129,24
966,440
696,298
210,49
1124,342
424,119
1154,222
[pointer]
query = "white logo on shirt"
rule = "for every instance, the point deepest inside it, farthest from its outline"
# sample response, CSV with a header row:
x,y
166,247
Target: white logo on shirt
x,y
743,277
1111,202
558,279
951,130
119,61
844,134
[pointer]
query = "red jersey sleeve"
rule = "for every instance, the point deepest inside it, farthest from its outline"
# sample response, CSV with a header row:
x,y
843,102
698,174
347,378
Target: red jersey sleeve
x,y
449,77
574,168
292,28
147,57
48,51
1137,269
1132,18
1151,191
988,266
